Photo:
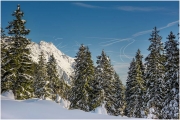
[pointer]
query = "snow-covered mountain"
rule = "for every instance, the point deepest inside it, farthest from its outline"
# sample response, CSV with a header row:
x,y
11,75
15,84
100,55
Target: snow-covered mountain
x,y
65,63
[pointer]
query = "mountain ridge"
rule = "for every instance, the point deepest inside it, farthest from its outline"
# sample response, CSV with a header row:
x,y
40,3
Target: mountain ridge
x,y
65,63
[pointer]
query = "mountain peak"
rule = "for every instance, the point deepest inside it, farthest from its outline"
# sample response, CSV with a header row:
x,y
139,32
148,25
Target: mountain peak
x,y
44,42
64,62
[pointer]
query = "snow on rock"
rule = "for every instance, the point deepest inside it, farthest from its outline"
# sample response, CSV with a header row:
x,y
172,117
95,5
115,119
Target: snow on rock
x,y
101,110
151,115
8,94
64,103
58,98
65,63
44,109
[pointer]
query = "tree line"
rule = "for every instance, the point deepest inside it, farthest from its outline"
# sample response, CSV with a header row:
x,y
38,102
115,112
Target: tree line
x,y
96,86
152,88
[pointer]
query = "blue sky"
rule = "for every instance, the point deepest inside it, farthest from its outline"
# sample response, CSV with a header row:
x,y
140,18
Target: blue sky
x,y
120,28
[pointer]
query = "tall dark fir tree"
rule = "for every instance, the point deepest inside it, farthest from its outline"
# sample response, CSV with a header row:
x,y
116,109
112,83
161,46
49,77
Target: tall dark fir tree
x,y
135,88
105,77
119,96
84,74
42,87
139,87
93,91
6,82
3,35
155,76
141,91
53,76
20,72
129,110
171,106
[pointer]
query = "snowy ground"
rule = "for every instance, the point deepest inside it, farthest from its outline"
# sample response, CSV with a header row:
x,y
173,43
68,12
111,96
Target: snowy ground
x,y
43,109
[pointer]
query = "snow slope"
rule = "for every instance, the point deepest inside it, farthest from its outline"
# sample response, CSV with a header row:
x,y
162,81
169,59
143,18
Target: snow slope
x,y
43,109
65,63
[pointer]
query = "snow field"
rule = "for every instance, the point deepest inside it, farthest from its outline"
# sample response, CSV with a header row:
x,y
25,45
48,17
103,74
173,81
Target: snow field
x,y
44,109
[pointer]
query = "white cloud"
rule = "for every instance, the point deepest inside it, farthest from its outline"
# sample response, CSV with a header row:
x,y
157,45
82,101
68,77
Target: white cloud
x,y
144,9
86,5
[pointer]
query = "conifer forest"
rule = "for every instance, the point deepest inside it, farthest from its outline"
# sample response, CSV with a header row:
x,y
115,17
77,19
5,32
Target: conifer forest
x,y
152,85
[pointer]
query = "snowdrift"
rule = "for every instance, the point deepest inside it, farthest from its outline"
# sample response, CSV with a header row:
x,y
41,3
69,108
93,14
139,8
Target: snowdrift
x,y
43,109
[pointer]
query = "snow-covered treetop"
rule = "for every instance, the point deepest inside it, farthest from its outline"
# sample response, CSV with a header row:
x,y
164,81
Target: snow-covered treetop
x,y
16,27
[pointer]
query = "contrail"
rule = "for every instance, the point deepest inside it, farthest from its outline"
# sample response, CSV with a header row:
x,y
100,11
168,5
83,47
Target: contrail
x,y
77,44
101,38
110,41
117,41
62,46
169,25
55,38
58,38
120,54
141,33
59,44
126,47
113,41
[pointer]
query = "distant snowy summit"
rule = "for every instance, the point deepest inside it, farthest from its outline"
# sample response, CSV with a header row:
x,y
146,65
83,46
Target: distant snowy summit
x,y
65,63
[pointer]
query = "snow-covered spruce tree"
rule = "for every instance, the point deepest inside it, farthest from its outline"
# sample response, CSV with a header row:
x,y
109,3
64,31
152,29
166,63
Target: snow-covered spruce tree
x,y
84,73
119,96
42,83
3,35
19,60
96,96
6,83
64,89
171,106
178,33
3,53
155,76
105,77
140,86
135,88
53,77
129,110
139,61
94,92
